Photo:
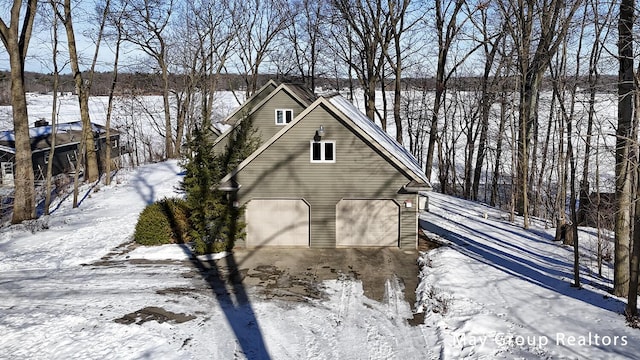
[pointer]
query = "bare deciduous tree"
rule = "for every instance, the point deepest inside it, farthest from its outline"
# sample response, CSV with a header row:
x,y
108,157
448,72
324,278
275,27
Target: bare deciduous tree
x,y
631,310
537,29
601,29
448,25
54,109
626,88
83,87
306,33
115,19
492,41
145,25
16,36
261,25
399,24
365,28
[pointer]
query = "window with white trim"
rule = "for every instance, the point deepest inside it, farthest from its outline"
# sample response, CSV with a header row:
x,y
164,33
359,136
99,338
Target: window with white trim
x,y
284,116
323,151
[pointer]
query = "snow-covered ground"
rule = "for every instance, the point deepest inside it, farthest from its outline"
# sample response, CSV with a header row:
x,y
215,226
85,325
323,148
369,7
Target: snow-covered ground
x,y
53,306
507,291
496,291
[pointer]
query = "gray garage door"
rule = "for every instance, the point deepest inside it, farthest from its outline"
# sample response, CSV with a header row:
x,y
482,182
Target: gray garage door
x,y
367,223
277,222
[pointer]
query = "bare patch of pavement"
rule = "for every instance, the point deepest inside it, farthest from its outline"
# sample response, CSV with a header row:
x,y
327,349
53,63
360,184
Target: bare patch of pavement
x,y
291,274
297,274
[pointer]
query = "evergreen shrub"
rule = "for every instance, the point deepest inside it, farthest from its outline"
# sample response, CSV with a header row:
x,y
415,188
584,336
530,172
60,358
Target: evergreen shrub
x,y
215,221
163,222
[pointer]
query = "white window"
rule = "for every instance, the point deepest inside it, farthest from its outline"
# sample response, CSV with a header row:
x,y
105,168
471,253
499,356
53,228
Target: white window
x,y
323,151
283,116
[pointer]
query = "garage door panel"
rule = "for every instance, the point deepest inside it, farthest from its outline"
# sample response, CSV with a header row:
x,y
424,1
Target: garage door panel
x,y
367,223
277,222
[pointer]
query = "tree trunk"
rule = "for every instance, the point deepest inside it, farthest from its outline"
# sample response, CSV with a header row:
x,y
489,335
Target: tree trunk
x,y
626,88
528,113
560,202
76,176
631,310
572,202
397,98
168,136
496,167
585,201
545,150
24,197
91,160
15,38
54,115
112,89
433,130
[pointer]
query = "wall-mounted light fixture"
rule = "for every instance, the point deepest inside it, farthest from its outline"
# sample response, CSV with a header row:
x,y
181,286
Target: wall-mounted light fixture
x,y
319,134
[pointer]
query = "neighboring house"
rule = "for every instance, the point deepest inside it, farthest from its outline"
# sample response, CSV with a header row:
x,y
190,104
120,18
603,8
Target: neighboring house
x,y
271,108
329,178
66,152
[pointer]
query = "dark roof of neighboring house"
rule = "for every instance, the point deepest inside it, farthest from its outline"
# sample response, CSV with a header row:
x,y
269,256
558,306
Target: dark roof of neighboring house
x,y
40,135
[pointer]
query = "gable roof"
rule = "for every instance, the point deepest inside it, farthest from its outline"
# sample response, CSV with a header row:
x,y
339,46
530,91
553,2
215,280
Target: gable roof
x,y
359,124
251,99
298,92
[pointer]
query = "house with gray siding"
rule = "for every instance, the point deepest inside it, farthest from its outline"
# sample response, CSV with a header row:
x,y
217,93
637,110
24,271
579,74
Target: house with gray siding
x,y
270,109
329,178
251,102
66,151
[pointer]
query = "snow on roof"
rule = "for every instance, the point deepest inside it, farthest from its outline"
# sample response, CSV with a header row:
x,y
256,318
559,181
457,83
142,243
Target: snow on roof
x,y
369,127
7,135
221,127
42,131
7,149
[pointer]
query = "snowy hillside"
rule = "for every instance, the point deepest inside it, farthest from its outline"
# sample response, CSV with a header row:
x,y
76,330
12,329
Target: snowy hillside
x,y
508,291
72,289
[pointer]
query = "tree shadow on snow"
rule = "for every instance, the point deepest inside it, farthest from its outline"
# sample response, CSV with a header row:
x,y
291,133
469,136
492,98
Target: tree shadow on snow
x,y
540,270
225,281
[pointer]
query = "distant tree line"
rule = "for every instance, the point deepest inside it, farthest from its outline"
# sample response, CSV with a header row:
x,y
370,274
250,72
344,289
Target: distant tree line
x,y
150,84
